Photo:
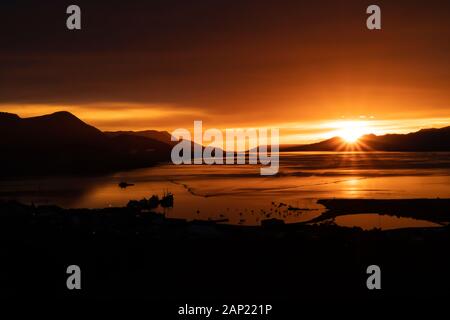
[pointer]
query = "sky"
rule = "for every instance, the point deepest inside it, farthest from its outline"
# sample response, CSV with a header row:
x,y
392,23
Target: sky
x,y
306,67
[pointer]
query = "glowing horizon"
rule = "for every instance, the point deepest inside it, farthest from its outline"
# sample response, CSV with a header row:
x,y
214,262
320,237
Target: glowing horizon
x,y
305,68
161,117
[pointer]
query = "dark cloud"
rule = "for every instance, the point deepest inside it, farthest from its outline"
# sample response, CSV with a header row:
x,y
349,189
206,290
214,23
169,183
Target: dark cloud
x,y
301,58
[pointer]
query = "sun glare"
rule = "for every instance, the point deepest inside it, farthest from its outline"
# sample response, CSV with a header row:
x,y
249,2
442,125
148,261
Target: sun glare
x,y
351,131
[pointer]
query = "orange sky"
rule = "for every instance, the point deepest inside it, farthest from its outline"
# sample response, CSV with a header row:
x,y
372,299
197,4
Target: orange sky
x,y
301,66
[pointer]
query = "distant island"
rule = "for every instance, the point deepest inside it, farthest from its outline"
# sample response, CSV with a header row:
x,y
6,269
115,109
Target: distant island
x,y
61,143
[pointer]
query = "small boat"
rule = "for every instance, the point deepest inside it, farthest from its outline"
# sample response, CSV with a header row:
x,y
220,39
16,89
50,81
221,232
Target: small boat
x,y
124,185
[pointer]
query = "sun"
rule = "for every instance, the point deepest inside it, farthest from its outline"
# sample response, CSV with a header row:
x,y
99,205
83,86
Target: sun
x,y
349,136
351,131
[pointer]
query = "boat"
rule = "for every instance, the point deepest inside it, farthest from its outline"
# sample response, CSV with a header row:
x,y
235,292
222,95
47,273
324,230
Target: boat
x,y
124,185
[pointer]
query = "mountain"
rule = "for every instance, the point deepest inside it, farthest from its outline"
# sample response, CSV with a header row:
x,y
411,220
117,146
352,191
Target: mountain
x,y
62,143
162,136
59,127
423,140
326,145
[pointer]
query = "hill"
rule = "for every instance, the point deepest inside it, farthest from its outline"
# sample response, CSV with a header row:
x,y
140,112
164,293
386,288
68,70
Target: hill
x,y
422,140
61,143
162,136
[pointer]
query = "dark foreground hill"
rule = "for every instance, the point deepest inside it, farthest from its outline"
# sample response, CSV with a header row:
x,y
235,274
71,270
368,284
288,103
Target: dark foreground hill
x,y
62,143
132,253
423,140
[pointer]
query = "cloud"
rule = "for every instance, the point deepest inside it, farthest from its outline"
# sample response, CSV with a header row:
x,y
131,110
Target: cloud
x,y
165,63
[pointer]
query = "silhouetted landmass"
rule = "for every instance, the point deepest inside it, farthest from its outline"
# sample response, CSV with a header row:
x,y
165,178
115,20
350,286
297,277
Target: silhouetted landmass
x,y
62,143
434,210
162,136
423,140
132,252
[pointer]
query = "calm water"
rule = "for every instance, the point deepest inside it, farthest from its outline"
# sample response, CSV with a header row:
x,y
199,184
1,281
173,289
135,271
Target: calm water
x,y
240,194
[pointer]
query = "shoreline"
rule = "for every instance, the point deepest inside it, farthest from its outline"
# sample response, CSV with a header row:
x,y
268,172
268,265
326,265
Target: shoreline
x,y
433,210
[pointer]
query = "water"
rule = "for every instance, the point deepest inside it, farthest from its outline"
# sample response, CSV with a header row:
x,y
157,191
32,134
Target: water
x,y
368,221
241,195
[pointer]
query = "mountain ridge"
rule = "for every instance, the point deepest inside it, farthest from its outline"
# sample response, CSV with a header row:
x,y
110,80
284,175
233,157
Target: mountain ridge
x,y
61,143
431,139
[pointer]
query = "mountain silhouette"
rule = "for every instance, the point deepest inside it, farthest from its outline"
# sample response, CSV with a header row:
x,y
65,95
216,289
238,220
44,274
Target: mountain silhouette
x,y
61,143
422,140
45,131
162,136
